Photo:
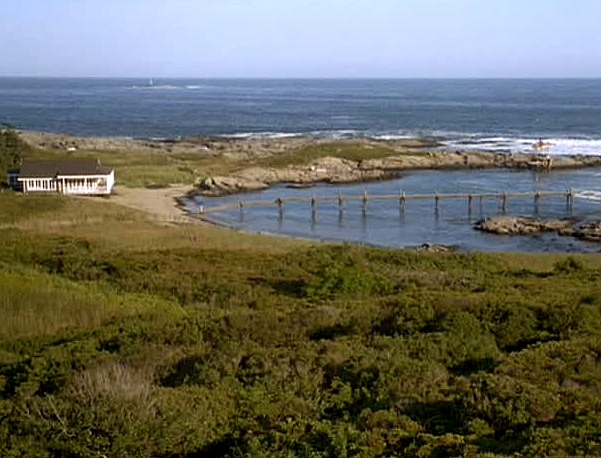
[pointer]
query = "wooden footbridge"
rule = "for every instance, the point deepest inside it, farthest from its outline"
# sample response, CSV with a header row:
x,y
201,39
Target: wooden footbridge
x,y
402,199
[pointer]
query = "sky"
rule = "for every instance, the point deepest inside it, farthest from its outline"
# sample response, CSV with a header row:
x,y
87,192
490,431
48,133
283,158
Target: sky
x,y
300,38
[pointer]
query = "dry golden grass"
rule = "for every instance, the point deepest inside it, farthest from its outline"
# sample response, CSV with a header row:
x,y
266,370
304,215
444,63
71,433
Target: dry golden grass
x,y
118,227
56,304
113,380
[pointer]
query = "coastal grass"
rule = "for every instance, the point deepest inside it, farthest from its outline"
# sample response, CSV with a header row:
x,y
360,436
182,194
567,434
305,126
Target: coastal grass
x,y
160,168
138,168
123,335
58,305
15,207
113,226
351,150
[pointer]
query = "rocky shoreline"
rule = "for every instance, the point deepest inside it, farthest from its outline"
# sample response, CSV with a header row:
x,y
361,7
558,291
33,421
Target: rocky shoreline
x,y
410,154
336,170
513,225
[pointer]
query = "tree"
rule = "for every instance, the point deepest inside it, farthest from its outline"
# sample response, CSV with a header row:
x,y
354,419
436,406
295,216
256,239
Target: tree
x,y
11,149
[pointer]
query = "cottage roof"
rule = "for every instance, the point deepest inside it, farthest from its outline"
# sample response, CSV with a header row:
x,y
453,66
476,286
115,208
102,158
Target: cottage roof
x,y
65,167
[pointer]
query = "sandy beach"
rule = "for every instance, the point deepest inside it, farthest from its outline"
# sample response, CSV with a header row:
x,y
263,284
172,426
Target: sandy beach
x,y
162,204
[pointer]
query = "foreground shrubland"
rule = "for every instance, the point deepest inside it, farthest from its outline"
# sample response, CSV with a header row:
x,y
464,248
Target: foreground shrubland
x,y
202,342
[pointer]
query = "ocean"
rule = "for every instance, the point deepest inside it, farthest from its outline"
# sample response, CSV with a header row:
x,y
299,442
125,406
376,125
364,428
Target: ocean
x,y
491,114
497,115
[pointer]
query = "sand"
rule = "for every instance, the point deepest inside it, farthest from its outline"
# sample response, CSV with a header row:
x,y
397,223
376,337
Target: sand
x,y
161,204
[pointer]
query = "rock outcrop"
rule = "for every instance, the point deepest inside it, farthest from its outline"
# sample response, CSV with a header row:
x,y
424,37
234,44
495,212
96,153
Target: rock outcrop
x,y
512,225
326,169
590,231
218,186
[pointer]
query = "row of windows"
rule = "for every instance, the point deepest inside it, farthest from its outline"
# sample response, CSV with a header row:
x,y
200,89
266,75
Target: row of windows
x,y
51,184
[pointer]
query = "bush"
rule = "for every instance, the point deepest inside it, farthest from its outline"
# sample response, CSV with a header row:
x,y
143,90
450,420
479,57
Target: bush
x,y
11,150
344,271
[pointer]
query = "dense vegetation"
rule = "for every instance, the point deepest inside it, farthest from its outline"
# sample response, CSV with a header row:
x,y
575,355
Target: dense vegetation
x,y
121,337
11,150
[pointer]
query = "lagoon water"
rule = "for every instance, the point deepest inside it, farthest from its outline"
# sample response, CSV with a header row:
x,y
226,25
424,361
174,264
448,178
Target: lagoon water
x,y
497,115
384,224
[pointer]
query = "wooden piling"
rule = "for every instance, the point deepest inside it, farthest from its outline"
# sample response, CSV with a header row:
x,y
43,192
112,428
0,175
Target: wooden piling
x,y
364,200
504,202
340,203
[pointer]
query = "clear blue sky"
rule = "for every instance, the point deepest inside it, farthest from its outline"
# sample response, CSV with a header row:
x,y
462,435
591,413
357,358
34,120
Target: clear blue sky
x,y
301,38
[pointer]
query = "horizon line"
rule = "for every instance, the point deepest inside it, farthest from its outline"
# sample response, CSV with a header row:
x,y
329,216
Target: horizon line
x,y
307,77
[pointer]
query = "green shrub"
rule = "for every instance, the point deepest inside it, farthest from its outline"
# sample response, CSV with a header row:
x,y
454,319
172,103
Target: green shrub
x,y
344,271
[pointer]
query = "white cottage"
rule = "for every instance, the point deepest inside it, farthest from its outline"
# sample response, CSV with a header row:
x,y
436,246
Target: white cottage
x,y
69,176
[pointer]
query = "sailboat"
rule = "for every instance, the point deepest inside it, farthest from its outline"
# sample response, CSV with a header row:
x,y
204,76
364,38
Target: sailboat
x,y
151,82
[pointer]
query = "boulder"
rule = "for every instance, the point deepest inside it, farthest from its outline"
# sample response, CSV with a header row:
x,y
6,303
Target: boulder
x,y
590,231
432,248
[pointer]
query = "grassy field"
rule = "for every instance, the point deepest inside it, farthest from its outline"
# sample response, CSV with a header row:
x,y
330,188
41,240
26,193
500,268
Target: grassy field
x,y
122,335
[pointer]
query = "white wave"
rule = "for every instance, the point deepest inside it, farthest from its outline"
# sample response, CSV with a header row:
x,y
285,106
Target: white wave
x,y
163,87
557,146
284,135
344,134
262,135
589,195
392,137
575,147
166,87
239,135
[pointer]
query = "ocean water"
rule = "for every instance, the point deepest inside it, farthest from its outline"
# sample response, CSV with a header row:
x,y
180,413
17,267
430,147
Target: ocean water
x,y
496,115
484,114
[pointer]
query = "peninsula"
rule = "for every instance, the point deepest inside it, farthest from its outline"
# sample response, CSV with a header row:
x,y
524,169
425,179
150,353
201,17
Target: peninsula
x,y
216,166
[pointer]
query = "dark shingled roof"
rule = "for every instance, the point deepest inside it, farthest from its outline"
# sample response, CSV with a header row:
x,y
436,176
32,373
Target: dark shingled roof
x,y
65,167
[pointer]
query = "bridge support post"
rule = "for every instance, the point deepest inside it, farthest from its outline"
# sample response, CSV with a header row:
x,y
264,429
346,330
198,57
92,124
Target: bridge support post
x,y
504,202
569,200
402,200
340,203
